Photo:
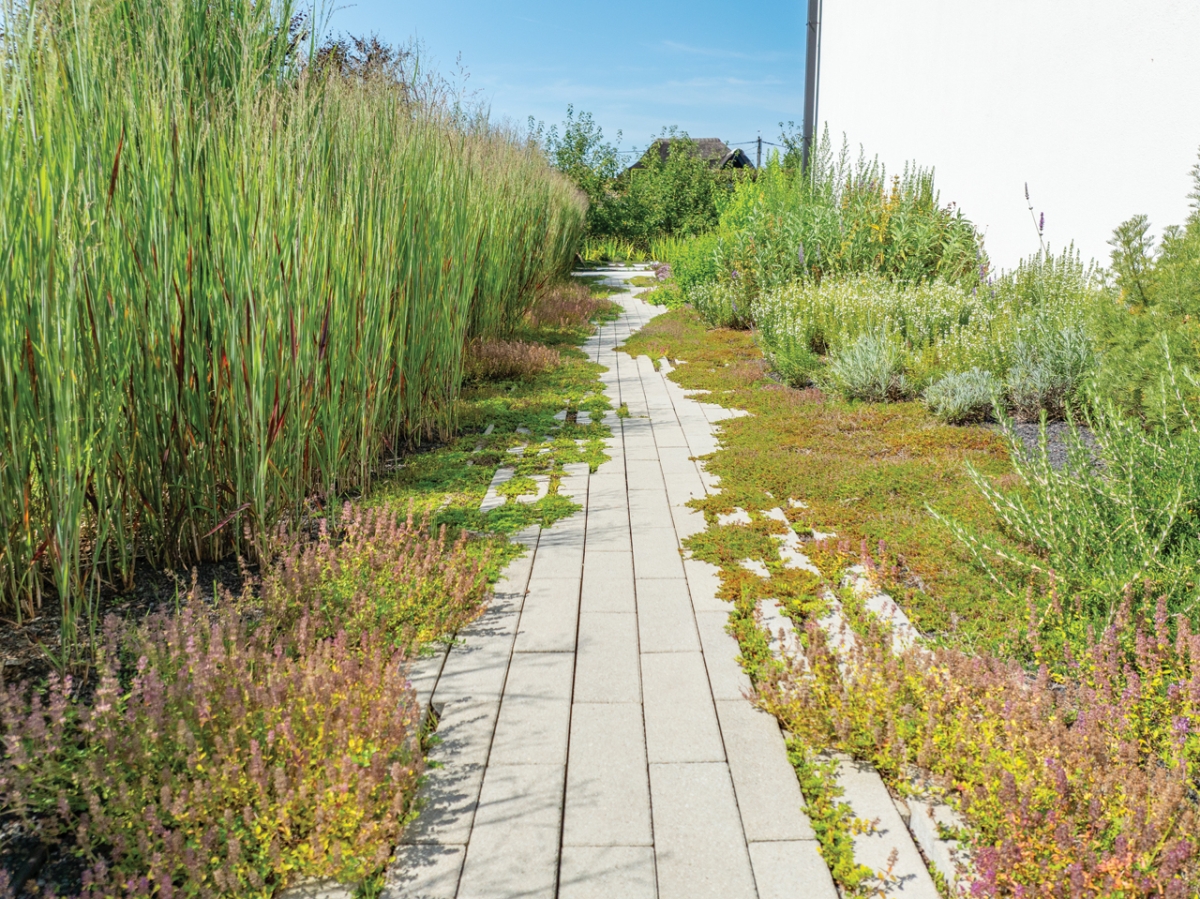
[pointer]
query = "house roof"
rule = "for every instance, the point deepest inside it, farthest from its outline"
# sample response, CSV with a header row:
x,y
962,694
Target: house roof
x,y
712,150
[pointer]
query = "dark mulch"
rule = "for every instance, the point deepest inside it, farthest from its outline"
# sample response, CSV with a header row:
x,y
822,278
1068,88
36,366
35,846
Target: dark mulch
x,y
1057,436
26,649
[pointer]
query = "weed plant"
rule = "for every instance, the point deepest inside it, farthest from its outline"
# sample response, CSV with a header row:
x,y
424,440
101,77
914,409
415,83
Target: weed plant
x,y
232,281
504,360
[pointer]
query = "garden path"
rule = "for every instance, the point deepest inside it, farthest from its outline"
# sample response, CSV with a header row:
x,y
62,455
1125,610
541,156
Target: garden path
x,y
595,738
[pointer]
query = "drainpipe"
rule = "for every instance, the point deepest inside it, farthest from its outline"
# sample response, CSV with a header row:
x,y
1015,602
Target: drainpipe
x,y
812,77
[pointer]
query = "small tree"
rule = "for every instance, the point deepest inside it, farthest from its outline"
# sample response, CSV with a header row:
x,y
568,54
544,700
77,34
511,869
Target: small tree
x,y
580,153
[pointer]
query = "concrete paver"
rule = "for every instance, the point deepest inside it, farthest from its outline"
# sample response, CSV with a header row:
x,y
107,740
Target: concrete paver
x,y
666,621
607,872
608,786
763,778
596,741
681,722
790,870
698,839
514,844
608,668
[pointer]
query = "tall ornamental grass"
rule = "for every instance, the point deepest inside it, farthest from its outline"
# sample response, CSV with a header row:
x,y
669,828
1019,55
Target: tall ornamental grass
x,y
229,281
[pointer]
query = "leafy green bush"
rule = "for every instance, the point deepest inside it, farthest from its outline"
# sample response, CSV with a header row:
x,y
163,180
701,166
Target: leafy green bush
x,y
871,369
718,305
796,364
693,261
1154,323
963,397
843,218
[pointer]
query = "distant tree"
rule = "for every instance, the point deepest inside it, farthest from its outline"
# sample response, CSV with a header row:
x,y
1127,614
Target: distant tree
x,y
580,152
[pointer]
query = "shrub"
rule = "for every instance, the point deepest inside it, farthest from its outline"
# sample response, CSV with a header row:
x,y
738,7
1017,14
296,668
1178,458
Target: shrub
x,y
963,397
1121,512
213,761
1154,323
1047,371
694,261
796,364
378,573
843,217
719,305
503,360
871,369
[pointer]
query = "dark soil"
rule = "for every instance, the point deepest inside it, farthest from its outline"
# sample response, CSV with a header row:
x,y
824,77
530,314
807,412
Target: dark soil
x,y
26,649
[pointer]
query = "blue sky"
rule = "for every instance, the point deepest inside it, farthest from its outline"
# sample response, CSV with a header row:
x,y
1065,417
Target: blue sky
x,y
714,69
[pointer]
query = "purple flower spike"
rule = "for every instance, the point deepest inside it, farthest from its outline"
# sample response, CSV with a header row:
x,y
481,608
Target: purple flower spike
x,y
1042,223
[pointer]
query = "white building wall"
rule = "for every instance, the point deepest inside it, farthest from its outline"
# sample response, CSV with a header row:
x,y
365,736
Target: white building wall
x,y
1094,103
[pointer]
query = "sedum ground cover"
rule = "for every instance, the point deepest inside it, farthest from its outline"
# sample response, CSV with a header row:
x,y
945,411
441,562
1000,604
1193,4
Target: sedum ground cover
x,y
1071,752
864,472
1053,701
237,743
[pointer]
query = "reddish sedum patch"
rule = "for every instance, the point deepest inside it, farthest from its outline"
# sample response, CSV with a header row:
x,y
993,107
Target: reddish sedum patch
x,y
378,573
568,305
212,762
230,749
1078,785
501,360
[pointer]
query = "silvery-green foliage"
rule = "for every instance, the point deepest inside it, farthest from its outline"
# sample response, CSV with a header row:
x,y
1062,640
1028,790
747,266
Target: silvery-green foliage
x,y
871,369
964,397
1048,367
